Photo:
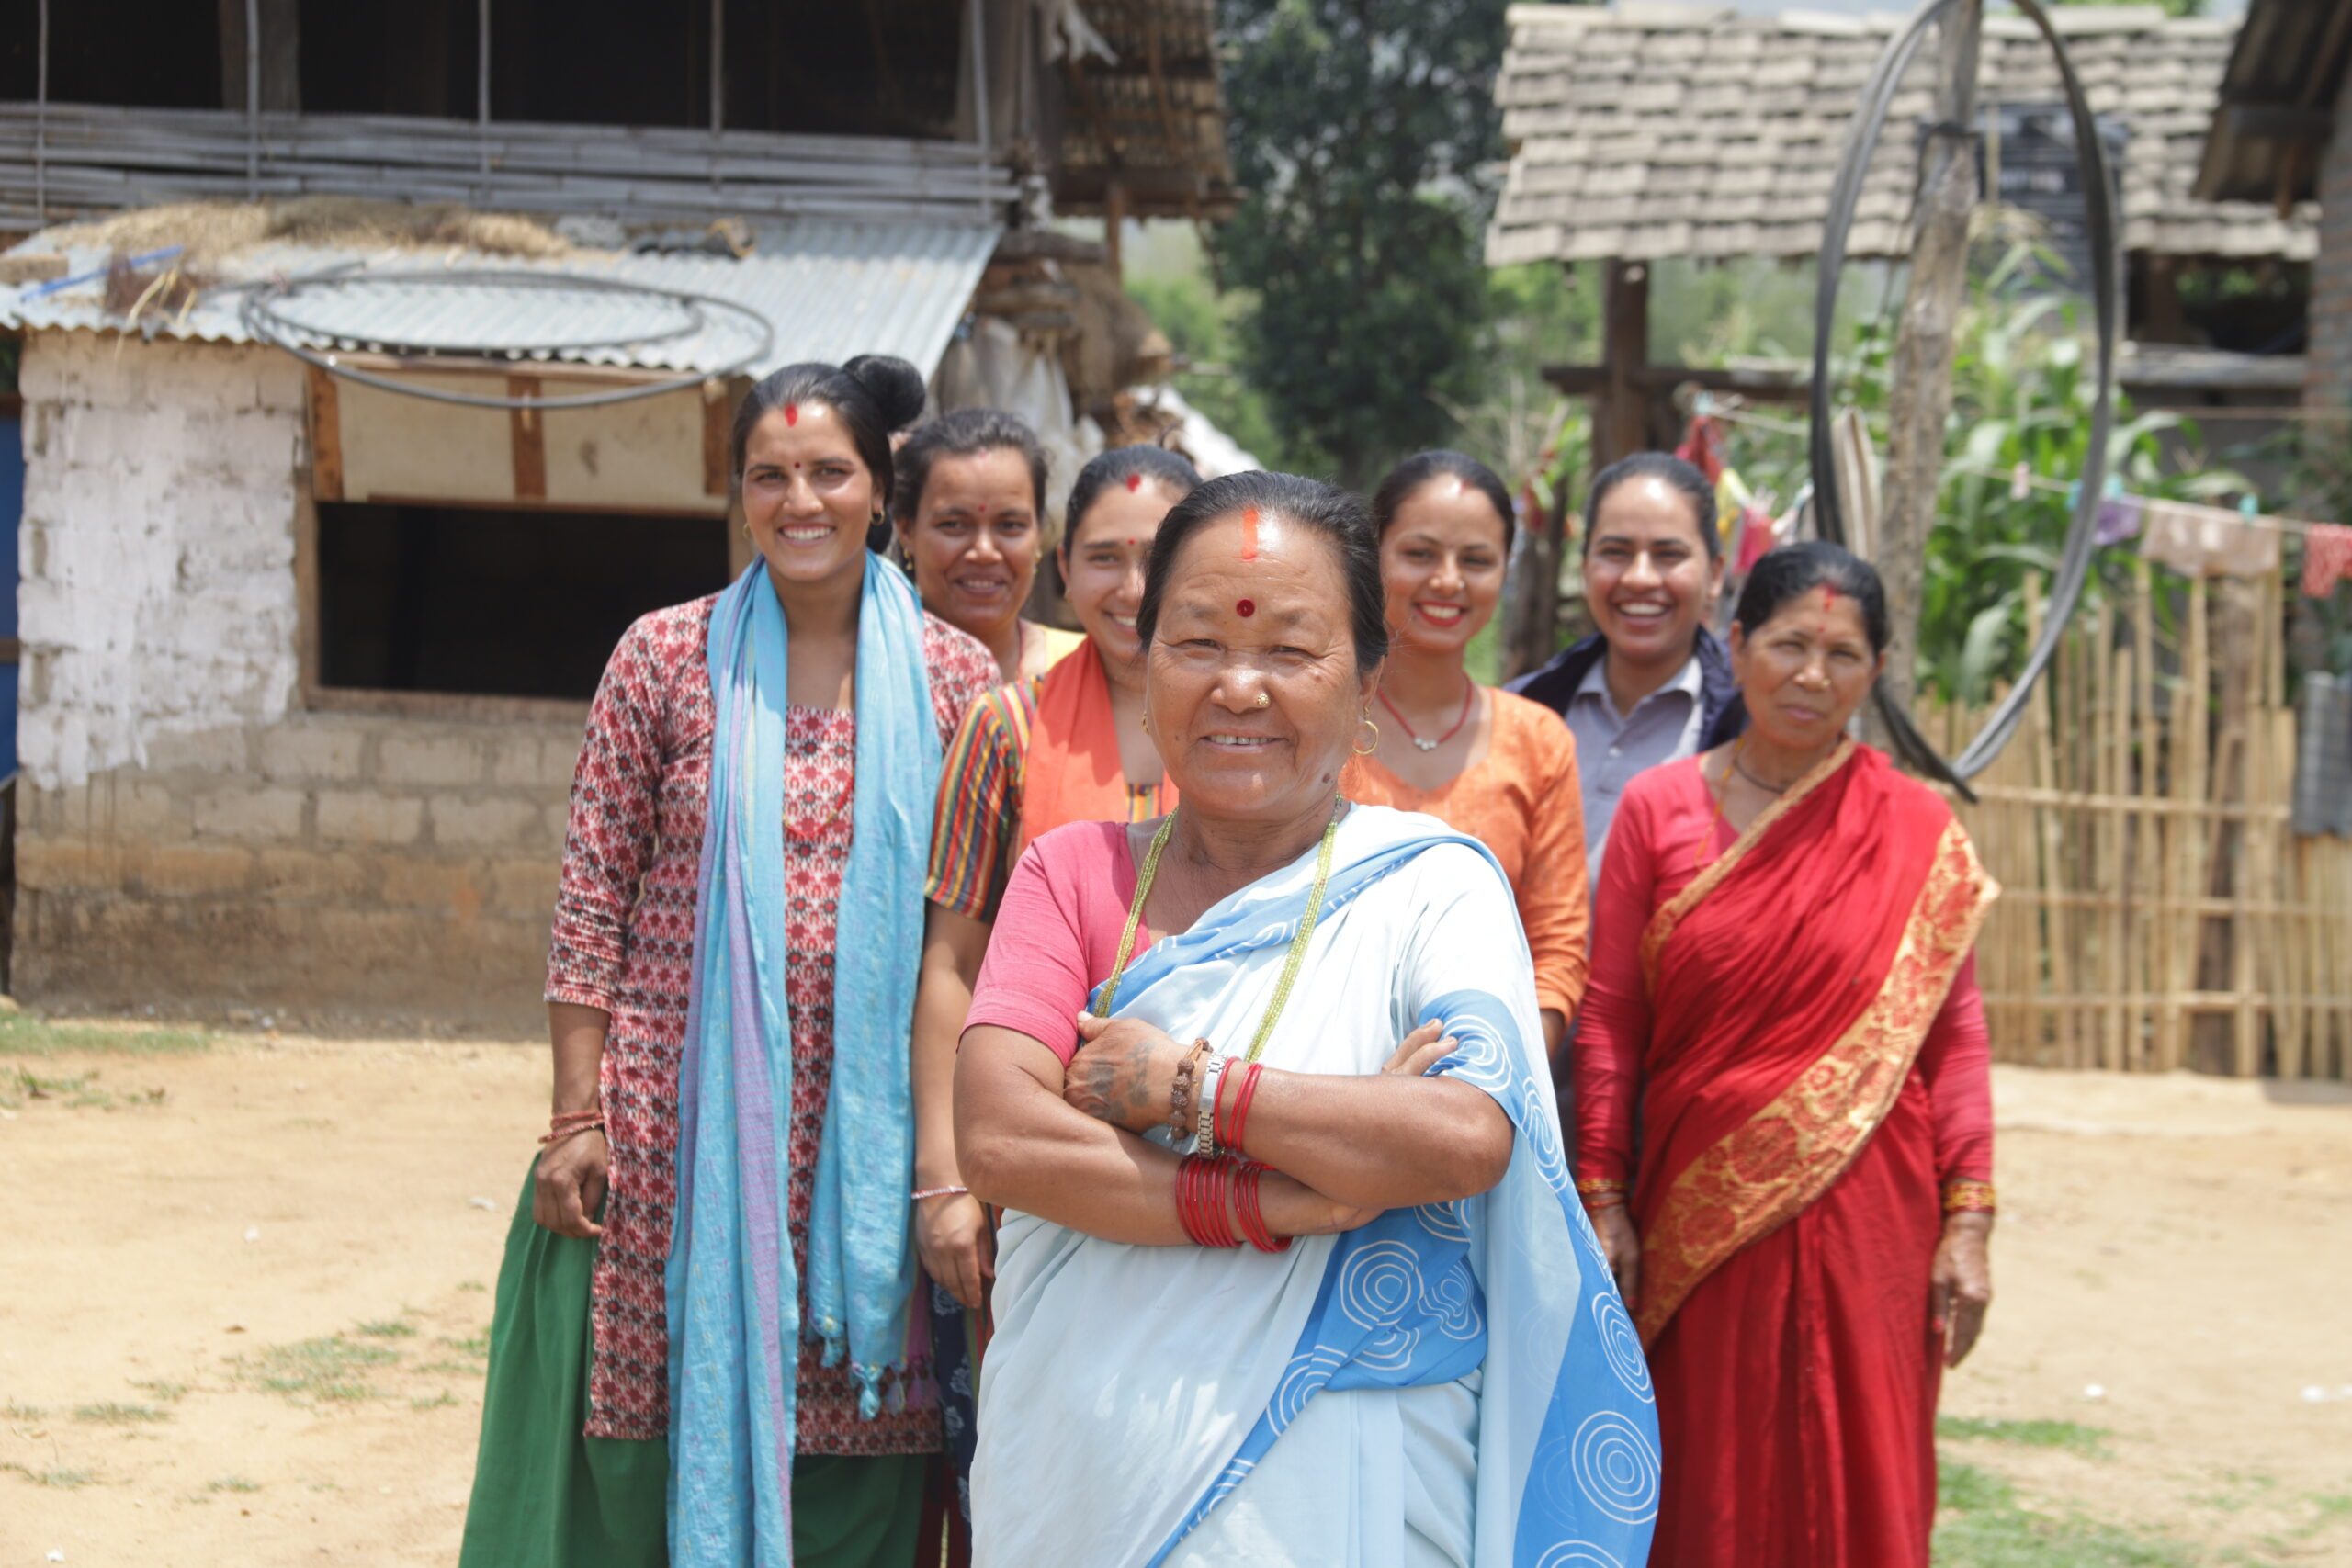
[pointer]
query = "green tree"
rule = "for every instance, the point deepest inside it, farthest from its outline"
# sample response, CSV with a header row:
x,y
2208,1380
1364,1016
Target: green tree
x,y
1365,132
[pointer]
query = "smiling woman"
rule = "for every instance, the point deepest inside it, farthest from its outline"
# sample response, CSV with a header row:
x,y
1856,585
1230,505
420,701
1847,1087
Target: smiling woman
x,y
1783,994
725,1171
1353,1164
1652,683
1493,765
970,510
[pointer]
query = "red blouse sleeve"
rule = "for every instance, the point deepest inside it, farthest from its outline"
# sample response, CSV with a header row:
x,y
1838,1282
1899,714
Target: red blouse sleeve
x,y
609,831
1957,1062
1613,1030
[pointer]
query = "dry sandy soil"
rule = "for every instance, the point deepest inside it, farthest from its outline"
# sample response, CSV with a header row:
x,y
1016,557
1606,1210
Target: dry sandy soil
x,y
244,1291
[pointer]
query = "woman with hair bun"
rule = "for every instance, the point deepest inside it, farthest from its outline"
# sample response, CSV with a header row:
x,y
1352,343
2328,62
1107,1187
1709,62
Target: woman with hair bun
x,y
704,1351
1498,767
1784,997
970,510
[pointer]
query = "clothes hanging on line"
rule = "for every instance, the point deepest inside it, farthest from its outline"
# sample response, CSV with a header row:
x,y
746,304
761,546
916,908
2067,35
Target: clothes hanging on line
x,y
2324,758
2328,558
2118,520
2205,541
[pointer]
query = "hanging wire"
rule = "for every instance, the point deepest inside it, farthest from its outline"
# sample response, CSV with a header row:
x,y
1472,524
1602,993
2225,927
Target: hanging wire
x,y
2099,221
264,316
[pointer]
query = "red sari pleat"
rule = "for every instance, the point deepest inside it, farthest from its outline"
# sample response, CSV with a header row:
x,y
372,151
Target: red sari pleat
x,y
1797,1384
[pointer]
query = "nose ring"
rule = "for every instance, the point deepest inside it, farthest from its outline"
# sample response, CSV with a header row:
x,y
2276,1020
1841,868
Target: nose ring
x,y
1265,700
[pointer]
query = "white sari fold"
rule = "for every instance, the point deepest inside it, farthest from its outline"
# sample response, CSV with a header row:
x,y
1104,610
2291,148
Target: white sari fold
x,y
1457,1383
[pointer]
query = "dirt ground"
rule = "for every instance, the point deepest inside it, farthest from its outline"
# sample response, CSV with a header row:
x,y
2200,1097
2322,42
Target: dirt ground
x,y
244,1295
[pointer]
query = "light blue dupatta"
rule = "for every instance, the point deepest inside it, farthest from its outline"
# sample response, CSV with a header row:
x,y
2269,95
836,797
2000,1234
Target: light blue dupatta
x,y
733,1297
1510,1285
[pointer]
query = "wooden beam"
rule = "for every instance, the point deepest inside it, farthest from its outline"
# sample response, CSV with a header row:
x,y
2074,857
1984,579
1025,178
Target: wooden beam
x,y
326,439
1620,418
528,430
717,437
1758,383
2281,122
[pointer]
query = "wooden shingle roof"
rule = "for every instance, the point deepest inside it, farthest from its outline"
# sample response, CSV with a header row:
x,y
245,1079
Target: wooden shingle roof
x,y
1650,129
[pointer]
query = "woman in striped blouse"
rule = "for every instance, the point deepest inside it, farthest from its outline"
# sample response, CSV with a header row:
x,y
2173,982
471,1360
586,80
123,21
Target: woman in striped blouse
x,y
1068,746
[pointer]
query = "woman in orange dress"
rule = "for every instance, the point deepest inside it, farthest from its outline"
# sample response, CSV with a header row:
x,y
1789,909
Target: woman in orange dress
x,y
1494,766
1784,1002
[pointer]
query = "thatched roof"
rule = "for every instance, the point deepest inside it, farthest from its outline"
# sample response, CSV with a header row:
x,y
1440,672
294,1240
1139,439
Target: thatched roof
x,y
1647,130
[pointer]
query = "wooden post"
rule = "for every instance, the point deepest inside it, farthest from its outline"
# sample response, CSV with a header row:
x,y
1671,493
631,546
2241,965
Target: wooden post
x,y
1114,223
1921,398
277,57
1621,412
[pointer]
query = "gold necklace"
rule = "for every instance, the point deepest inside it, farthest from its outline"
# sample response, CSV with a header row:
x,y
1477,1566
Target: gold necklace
x,y
1722,787
1297,942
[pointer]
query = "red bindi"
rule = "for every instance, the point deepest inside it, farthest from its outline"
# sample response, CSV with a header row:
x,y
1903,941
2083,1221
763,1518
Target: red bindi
x,y
1245,608
792,413
1134,483
1249,537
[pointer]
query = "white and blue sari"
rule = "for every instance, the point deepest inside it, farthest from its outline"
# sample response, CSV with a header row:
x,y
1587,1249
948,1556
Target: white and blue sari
x,y
1453,1384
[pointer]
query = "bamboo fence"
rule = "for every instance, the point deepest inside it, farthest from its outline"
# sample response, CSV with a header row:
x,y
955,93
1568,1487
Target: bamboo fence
x,y
2159,911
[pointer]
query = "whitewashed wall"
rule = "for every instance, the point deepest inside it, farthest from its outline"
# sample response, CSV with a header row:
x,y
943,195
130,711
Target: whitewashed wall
x,y
157,547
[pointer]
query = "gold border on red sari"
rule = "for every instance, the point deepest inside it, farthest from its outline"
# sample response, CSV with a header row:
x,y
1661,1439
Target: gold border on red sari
x,y
1671,914
1787,1154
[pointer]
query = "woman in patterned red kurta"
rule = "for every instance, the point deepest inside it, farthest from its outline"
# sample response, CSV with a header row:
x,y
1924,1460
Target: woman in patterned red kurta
x,y
571,1464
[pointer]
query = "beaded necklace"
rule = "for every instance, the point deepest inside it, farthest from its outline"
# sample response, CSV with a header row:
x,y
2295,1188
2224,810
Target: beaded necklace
x,y
1297,942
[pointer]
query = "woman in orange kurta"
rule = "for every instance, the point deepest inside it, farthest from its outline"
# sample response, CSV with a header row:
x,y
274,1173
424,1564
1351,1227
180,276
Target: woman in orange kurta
x,y
1498,767
1784,1004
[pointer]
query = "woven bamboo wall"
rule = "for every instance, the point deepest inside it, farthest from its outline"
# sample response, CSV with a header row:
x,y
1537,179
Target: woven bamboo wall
x,y
2159,912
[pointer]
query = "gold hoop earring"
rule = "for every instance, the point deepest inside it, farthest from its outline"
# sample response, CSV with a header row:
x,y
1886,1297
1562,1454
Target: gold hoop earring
x,y
1366,723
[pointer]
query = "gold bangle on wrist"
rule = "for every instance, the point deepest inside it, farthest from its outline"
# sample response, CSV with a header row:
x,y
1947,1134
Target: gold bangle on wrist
x,y
1968,1198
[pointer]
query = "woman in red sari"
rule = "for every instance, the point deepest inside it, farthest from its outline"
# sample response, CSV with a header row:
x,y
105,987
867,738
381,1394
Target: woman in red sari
x,y
1782,991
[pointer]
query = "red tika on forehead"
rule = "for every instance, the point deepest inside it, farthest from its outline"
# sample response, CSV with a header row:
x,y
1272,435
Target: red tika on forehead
x,y
1249,537
1245,608
791,413
1134,483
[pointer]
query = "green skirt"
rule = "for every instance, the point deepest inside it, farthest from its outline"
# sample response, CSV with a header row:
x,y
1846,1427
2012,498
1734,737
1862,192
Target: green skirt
x,y
546,1496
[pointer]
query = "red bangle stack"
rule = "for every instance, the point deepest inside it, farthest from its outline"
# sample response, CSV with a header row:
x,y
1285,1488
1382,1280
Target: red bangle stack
x,y
1207,1189
1253,1216
1201,1188
1242,1099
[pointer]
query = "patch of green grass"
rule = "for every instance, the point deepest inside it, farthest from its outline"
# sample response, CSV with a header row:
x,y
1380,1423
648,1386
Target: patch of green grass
x,y
385,1328
82,1091
170,1392
474,1345
473,1285
449,1369
16,1410
64,1480
443,1398
1981,1525
24,1035
329,1370
232,1483
112,1413
2068,1435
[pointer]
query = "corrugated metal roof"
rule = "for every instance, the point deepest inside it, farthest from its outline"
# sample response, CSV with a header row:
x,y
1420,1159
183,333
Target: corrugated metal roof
x,y
830,291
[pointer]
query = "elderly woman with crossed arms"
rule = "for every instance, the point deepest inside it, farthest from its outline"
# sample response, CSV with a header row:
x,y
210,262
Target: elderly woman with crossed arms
x,y
1273,1286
